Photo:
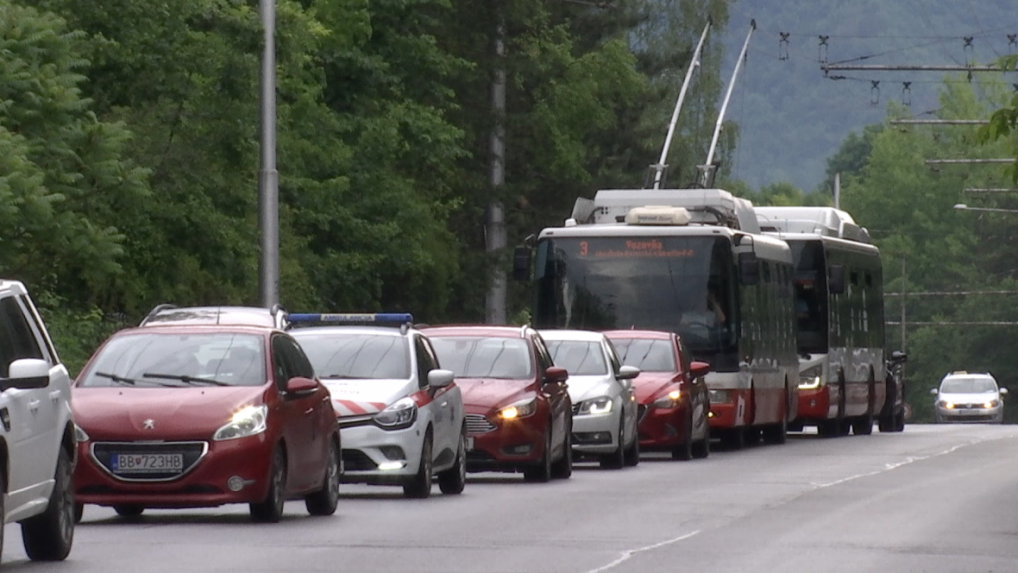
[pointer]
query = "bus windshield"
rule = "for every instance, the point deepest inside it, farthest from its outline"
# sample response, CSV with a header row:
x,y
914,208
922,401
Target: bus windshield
x,y
677,284
810,296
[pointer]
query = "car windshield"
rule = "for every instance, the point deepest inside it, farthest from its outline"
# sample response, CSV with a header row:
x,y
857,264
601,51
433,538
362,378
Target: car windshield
x,y
971,385
580,358
649,355
356,356
484,357
157,359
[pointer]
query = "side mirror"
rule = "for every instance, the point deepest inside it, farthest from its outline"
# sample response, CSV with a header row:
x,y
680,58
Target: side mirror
x,y
898,357
836,279
301,386
439,378
934,391
1003,391
521,263
26,374
698,369
749,269
628,372
555,374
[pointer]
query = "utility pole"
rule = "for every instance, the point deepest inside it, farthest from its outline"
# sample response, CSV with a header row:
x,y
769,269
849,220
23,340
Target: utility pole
x,y
268,177
939,121
495,235
837,190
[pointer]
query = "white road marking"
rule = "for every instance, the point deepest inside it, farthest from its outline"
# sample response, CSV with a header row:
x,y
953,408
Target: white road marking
x,y
889,467
630,552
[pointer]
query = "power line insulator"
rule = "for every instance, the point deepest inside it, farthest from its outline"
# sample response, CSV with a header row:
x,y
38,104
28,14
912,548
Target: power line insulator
x,y
906,94
783,45
874,92
822,49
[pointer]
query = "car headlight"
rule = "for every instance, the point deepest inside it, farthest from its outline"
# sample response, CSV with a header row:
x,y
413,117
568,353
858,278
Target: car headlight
x,y
946,404
601,405
669,400
519,409
991,404
811,378
248,421
80,435
400,414
720,397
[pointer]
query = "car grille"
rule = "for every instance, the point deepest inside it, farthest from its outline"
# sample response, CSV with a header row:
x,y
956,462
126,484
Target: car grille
x,y
357,461
192,452
478,424
576,408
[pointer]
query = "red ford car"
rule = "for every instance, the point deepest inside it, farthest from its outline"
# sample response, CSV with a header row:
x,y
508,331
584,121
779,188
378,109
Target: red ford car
x,y
674,402
518,412
200,407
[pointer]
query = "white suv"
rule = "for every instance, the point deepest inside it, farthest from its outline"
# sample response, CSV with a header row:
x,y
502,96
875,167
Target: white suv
x,y
37,440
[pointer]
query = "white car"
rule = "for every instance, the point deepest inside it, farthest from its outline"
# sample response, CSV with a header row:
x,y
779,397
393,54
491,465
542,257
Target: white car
x,y
37,433
400,416
601,390
969,397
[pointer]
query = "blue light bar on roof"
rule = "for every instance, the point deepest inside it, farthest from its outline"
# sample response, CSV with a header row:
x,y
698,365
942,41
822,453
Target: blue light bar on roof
x,y
354,318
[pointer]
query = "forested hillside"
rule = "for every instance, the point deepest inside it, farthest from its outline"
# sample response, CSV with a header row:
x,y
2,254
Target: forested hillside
x,y
130,129
792,118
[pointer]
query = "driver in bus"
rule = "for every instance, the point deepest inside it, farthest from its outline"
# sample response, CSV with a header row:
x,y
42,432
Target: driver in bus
x,y
715,306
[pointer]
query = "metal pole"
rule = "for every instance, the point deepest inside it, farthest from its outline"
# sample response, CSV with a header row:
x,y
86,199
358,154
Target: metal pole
x,y
903,305
939,121
495,235
693,63
268,177
909,68
837,190
966,161
707,173
991,190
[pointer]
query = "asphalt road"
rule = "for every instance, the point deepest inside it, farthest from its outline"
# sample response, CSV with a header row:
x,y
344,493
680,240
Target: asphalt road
x,y
932,499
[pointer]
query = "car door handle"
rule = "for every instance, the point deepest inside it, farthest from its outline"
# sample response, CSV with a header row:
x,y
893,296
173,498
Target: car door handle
x,y
33,405
309,411
54,395
444,404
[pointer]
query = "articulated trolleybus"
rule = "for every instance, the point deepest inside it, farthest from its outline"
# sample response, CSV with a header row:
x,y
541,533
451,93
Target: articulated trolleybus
x,y
839,303
690,261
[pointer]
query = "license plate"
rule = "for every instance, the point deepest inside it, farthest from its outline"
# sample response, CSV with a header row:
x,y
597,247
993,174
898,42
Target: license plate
x,y
147,463
470,443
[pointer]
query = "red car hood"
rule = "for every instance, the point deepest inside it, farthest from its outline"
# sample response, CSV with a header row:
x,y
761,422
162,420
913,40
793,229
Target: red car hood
x,y
172,413
649,385
493,393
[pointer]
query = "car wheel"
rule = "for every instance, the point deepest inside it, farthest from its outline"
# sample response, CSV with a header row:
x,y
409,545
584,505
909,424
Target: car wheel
x,y
702,448
899,421
562,468
271,510
633,452
79,512
453,480
324,501
684,451
3,514
49,535
128,510
419,485
542,471
734,438
617,459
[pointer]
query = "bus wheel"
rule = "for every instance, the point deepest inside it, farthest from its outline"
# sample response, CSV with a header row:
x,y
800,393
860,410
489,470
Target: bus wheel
x,y
734,438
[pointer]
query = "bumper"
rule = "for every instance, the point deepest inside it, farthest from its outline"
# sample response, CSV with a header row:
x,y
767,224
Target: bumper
x,y
733,412
663,427
815,404
993,415
205,485
512,445
376,456
597,434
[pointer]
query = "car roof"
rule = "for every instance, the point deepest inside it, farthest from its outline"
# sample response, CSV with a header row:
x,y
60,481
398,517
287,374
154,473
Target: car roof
x,y
963,374
578,335
640,334
299,332
169,315
479,330
197,329
13,287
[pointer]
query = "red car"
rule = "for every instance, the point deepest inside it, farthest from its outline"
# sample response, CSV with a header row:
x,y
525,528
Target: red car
x,y
674,402
518,413
200,407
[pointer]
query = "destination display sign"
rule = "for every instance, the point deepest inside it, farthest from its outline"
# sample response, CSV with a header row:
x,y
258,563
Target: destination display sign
x,y
629,248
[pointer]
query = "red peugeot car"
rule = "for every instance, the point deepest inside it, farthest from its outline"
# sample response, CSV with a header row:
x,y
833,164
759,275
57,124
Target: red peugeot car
x,y
672,397
200,407
518,413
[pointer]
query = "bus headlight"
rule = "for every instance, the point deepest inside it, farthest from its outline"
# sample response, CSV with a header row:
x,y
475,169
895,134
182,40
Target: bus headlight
x,y
811,378
720,397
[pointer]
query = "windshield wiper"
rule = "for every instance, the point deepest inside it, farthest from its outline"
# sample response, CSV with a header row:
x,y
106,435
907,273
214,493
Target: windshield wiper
x,y
184,378
115,378
343,377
